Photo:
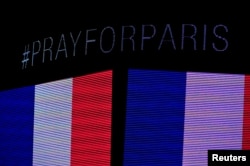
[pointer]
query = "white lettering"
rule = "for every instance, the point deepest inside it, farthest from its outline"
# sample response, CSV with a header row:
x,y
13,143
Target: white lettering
x,y
49,49
35,52
62,42
87,40
75,41
215,157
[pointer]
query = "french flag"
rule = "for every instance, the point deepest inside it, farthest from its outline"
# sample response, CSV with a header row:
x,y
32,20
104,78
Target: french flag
x,y
172,118
60,123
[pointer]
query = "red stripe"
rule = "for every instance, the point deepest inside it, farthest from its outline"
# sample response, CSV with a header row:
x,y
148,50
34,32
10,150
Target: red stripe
x,y
91,120
246,119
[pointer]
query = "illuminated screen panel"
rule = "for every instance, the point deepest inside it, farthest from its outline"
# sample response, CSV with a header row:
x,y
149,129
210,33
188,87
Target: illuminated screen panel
x,y
213,115
154,118
64,122
172,118
91,120
16,126
209,116
246,128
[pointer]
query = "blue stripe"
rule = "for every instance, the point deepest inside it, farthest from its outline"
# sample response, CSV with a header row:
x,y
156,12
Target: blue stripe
x,y
16,126
154,118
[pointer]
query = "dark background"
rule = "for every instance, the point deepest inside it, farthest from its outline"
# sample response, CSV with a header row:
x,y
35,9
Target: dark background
x,y
20,28
30,23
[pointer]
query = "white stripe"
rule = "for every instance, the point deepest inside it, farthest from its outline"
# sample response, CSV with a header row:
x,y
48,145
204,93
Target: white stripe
x,y
52,123
213,115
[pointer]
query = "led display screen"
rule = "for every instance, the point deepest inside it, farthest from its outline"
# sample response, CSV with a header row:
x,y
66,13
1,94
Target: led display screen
x,y
174,118
162,88
171,118
64,122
